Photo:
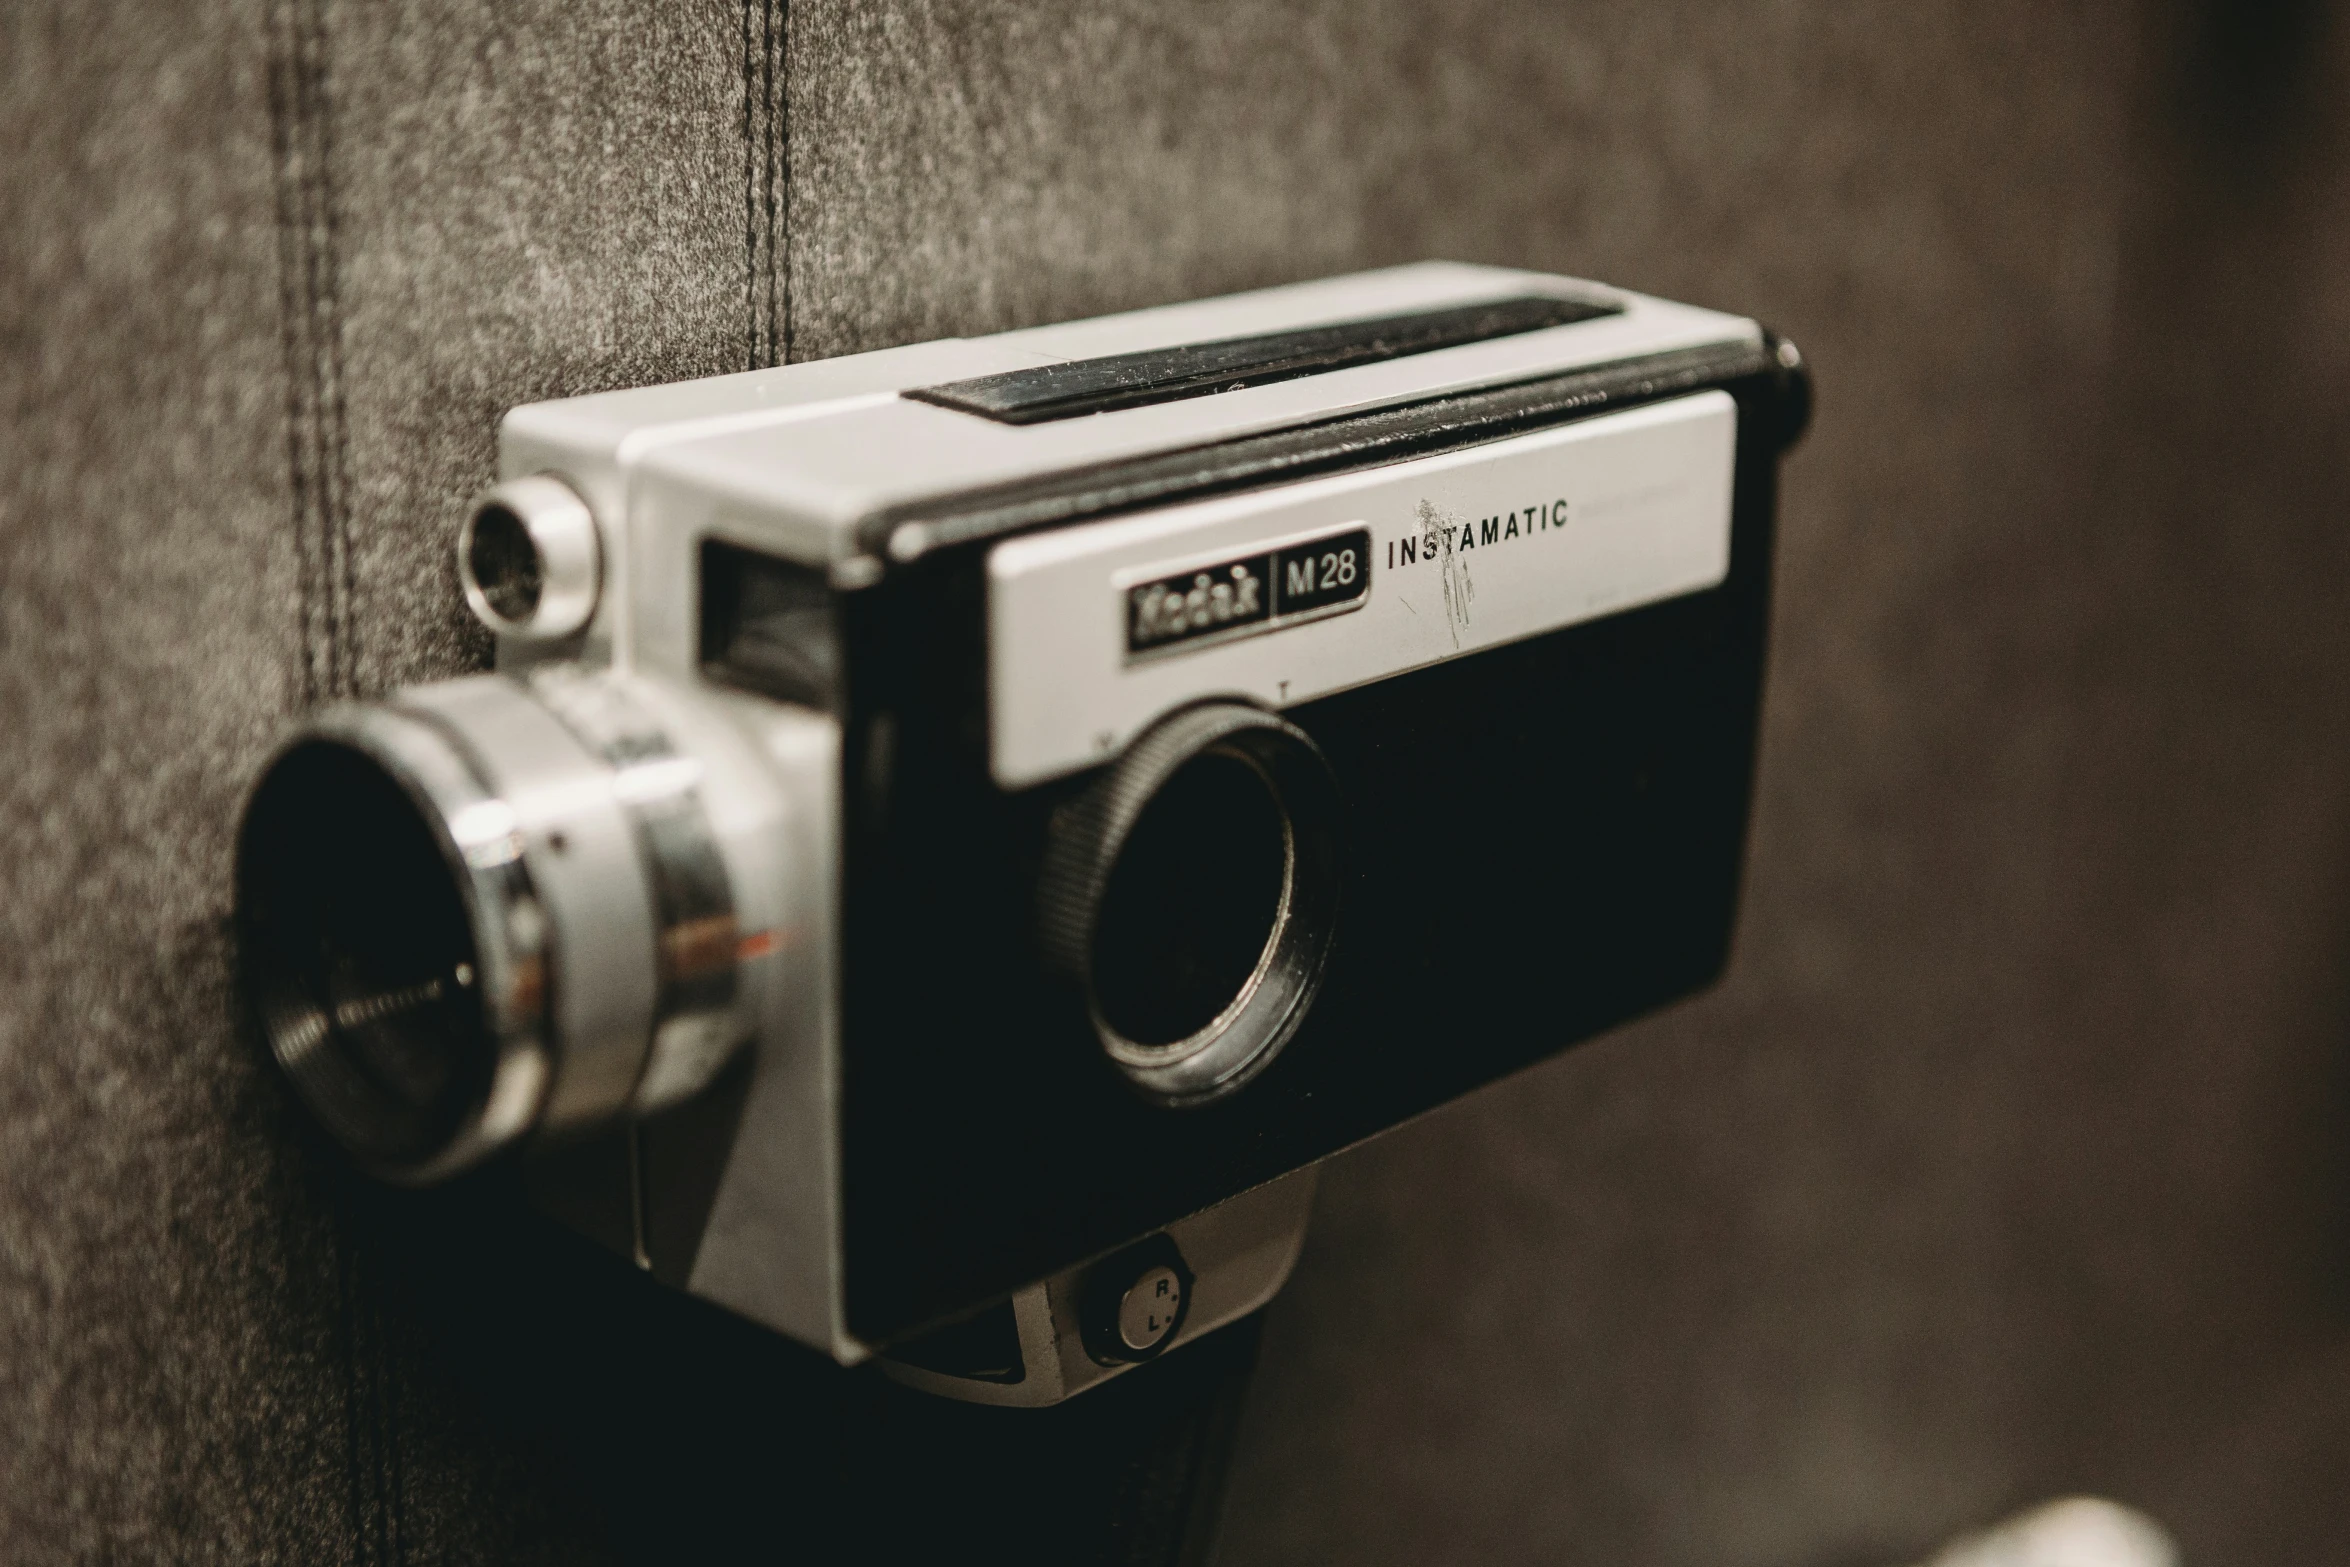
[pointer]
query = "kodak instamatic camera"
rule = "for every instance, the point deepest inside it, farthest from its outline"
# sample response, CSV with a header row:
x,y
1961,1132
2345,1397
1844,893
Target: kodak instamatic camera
x,y
957,832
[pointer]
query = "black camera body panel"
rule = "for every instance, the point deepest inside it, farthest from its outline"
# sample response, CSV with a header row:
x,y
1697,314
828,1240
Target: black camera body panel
x,y
1544,840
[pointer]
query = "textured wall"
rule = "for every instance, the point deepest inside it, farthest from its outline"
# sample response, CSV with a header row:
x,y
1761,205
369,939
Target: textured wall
x,y
2003,1163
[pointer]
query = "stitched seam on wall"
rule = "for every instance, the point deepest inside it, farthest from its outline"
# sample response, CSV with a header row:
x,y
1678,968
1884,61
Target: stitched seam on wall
x,y
311,339
779,246
750,194
766,287
318,472
293,317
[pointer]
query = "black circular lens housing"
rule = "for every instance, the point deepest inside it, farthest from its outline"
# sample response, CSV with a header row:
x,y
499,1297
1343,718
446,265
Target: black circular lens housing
x,y
1193,892
408,1028
1193,900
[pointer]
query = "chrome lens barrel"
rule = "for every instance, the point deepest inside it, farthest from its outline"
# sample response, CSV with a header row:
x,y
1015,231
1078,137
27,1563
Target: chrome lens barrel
x,y
485,908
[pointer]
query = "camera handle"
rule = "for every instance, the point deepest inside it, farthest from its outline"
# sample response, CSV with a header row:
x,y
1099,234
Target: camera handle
x,y
990,1444
1131,1475
1107,1319
1117,1314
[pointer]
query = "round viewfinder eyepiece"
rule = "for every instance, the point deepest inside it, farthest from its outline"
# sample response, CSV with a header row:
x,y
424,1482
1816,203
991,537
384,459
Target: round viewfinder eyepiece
x,y
502,559
530,559
1193,892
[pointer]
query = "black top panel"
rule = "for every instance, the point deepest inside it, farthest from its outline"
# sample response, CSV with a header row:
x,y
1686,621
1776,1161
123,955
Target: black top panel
x,y
1163,375
1348,442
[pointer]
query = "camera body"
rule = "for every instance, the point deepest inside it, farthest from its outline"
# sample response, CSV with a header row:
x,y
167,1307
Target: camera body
x,y
949,815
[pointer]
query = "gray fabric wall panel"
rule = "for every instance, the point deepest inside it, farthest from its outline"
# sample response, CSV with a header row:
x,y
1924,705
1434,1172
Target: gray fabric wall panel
x,y
2008,1159
538,199
166,1292
2004,1161
265,286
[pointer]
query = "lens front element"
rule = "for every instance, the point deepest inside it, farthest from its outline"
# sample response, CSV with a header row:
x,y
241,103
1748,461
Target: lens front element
x,y
1193,891
414,1033
1189,914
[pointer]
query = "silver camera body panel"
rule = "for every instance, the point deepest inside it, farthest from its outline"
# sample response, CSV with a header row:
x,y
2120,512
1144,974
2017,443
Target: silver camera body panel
x,y
802,461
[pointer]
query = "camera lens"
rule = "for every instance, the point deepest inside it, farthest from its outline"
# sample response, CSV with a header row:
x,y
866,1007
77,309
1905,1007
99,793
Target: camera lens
x,y
1193,892
1188,915
487,908
360,956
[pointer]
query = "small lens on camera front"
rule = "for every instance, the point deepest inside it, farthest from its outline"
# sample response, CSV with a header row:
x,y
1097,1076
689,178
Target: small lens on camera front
x,y
1193,892
1191,907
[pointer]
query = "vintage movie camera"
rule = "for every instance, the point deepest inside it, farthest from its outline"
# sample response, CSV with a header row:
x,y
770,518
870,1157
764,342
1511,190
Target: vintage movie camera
x,y
957,832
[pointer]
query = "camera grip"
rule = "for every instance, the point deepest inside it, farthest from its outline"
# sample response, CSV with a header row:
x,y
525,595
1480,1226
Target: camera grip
x,y
1131,1475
